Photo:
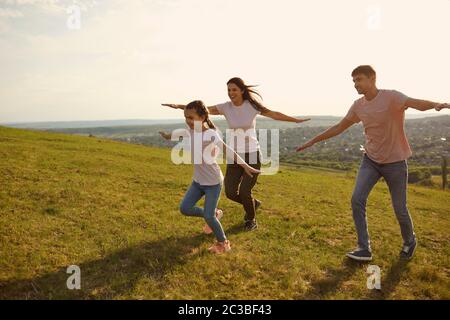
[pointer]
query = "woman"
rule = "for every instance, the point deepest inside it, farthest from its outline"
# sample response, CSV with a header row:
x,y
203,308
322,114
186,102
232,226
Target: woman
x,y
240,113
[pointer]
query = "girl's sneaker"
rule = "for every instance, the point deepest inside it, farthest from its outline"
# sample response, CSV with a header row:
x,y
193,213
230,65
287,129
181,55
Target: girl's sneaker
x,y
220,247
257,204
219,215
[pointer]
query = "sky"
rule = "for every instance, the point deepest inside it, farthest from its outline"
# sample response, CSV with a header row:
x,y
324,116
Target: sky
x,y
63,60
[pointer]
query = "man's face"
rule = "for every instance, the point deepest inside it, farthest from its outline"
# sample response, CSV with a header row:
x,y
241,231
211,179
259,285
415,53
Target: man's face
x,y
363,83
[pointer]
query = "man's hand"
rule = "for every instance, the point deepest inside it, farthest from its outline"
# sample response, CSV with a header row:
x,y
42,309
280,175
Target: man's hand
x,y
306,145
329,133
441,106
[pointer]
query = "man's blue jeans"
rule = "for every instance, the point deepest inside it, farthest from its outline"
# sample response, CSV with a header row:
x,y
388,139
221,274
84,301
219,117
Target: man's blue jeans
x,y
212,194
396,176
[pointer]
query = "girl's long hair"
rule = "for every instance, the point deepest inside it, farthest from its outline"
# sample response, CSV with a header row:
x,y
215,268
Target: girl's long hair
x,y
248,93
201,110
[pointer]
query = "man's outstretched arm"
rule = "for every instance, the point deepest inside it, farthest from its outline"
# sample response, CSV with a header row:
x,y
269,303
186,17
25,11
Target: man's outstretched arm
x,y
424,105
335,130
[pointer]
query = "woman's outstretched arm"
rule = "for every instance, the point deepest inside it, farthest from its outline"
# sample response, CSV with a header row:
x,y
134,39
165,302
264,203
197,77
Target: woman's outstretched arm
x,y
275,115
174,106
212,110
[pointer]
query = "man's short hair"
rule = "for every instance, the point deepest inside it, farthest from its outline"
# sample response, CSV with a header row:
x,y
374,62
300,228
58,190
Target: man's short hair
x,y
365,70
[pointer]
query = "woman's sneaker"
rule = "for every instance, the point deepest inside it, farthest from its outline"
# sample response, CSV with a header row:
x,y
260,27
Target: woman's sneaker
x,y
219,215
360,255
250,225
220,247
408,251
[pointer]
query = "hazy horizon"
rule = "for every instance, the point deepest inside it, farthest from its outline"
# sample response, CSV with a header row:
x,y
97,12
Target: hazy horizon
x,y
142,122
125,58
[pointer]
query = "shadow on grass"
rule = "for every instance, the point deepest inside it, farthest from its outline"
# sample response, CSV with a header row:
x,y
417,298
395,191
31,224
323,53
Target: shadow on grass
x,y
235,229
323,287
115,274
390,281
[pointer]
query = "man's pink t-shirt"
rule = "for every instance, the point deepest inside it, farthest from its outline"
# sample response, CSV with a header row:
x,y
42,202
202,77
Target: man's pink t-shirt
x,y
383,119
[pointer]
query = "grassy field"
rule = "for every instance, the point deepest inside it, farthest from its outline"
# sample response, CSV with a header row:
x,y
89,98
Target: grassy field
x,y
112,209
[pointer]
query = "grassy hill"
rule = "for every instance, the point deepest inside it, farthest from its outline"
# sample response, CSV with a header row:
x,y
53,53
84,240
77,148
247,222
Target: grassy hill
x,y
112,209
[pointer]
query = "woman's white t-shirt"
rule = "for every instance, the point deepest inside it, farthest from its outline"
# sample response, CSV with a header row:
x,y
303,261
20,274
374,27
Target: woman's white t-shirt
x,y
242,121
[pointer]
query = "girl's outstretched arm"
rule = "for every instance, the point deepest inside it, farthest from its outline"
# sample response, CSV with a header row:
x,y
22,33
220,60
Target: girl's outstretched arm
x,y
176,133
165,135
237,158
275,115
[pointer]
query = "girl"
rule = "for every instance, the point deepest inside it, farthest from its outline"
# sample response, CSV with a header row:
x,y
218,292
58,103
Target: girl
x,y
208,178
241,113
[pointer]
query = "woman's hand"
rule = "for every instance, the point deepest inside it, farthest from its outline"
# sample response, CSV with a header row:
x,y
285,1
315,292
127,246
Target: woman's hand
x,y
302,120
165,135
250,170
441,106
174,106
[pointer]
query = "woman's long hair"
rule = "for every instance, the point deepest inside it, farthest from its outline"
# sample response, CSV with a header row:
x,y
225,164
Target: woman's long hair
x,y
248,93
201,110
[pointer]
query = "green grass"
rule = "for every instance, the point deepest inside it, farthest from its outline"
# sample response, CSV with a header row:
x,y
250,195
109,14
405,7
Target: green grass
x,y
112,209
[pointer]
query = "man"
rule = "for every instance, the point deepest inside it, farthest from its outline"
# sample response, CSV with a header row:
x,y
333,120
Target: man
x,y
382,113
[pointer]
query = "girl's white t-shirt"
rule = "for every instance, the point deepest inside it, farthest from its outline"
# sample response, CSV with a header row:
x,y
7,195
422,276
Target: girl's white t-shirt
x,y
242,121
204,151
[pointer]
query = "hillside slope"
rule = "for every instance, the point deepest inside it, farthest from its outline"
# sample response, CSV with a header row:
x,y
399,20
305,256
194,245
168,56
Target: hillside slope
x,y
112,209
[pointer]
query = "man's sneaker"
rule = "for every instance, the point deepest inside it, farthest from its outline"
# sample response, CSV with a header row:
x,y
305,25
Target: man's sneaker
x,y
220,247
257,204
360,255
250,225
408,251
219,215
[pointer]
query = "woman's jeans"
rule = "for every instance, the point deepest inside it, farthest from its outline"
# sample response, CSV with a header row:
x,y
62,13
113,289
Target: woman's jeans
x,y
239,185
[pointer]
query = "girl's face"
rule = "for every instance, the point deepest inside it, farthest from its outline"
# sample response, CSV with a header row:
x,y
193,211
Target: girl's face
x,y
191,116
235,93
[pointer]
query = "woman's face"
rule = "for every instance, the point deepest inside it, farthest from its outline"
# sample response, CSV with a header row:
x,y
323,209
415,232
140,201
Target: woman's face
x,y
191,116
234,93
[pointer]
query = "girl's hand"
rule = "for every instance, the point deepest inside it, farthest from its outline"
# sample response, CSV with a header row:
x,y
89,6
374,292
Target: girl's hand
x,y
306,145
302,120
171,105
165,135
250,170
441,106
